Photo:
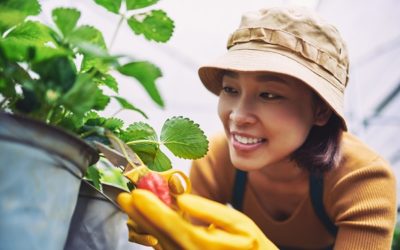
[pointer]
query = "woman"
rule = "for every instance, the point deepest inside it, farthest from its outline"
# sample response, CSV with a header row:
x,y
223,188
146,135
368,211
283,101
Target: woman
x,y
286,160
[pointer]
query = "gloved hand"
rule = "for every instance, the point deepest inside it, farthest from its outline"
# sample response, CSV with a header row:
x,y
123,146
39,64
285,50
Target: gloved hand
x,y
229,229
137,234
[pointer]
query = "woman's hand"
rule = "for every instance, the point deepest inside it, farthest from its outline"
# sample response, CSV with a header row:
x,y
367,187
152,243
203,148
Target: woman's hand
x,y
228,228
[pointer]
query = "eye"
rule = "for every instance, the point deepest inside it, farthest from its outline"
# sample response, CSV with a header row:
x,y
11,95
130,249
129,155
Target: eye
x,y
268,96
229,90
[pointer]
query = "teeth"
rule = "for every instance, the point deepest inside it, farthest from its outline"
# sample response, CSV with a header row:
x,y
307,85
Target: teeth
x,y
247,140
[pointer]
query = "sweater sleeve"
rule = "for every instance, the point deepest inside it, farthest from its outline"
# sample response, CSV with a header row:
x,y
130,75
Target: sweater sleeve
x,y
212,175
363,205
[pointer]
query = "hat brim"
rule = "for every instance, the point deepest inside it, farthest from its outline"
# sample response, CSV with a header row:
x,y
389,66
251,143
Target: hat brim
x,y
245,60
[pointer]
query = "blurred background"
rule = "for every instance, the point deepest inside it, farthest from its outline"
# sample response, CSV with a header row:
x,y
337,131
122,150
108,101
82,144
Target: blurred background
x,y
370,28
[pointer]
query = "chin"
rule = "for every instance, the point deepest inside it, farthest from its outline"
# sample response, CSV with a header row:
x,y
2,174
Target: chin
x,y
245,164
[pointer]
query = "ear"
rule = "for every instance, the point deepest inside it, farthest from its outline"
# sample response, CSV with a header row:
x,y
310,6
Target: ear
x,y
322,114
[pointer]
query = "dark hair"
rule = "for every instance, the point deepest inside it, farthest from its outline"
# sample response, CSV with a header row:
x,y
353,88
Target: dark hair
x,y
321,150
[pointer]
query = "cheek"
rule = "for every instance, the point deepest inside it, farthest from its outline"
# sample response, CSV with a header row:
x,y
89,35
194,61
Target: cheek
x,y
223,111
294,123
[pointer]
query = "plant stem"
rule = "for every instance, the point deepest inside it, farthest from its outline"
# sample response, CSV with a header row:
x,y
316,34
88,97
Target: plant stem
x,y
142,141
87,133
116,31
119,110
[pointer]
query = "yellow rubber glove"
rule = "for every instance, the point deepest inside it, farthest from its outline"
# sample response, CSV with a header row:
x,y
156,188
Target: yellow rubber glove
x,y
230,229
137,234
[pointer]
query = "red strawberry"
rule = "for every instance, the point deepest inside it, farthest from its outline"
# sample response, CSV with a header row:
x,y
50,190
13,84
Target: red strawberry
x,y
156,184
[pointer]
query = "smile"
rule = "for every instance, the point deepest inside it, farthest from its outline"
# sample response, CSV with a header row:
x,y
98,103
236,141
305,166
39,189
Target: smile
x,y
247,140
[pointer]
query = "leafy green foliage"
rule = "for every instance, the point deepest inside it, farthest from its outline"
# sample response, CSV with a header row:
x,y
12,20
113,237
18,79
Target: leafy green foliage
x,y
138,4
180,135
65,19
154,25
111,5
146,73
93,174
189,143
58,73
14,12
31,41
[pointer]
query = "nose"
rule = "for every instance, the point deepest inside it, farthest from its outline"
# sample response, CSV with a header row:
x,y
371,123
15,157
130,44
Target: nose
x,y
241,116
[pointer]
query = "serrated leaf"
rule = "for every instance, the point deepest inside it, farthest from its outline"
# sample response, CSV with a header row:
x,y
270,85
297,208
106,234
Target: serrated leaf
x,y
91,115
88,34
142,139
113,123
31,40
157,162
14,12
140,131
111,5
127,105
184,138
65,19
146,73
107,80
154,25
102,100
93,174
90,62
138,4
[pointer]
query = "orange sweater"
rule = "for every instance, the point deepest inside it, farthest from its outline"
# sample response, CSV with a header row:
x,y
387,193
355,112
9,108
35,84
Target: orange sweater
x,y
359,197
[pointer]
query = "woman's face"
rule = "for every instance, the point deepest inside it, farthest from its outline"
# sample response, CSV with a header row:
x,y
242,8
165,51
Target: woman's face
x,y
266,117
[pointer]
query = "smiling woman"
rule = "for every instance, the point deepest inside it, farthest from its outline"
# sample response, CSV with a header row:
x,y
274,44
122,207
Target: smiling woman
x,y
267,117
286,160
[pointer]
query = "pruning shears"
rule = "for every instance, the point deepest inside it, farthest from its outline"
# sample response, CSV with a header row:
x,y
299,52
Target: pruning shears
x,y
134,168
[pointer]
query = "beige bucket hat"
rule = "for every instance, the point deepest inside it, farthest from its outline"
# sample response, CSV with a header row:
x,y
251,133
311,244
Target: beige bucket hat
x,y
292,41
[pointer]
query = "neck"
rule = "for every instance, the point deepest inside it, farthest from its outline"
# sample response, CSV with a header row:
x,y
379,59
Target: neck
x,y
287,171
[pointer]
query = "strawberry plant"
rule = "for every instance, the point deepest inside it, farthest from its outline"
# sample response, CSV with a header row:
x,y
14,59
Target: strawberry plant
x,y
58,74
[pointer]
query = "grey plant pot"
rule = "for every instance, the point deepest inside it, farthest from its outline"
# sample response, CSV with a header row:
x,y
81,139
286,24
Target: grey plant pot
x,y
98,223
41,168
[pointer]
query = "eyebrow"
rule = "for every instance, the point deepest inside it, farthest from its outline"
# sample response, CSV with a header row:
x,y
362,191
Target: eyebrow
x,y
260,78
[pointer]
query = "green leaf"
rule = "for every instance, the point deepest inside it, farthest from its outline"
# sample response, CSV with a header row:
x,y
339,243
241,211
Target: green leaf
x,y
140,131
138,4
184,138
93,174
154,25
146,73
88,34
90,62
127,105
80,98
142,138
113,124
157,162
111,5
107,80
31,41
58,73
14,12
113,176
65,19
102,100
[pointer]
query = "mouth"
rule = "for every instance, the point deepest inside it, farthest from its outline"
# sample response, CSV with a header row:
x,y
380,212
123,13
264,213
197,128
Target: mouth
x,y
243,142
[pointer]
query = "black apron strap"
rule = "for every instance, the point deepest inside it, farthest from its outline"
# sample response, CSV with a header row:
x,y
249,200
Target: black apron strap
x,y
316,193
239,187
